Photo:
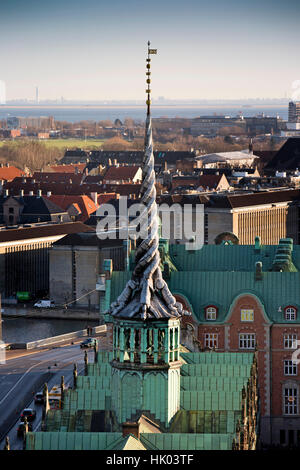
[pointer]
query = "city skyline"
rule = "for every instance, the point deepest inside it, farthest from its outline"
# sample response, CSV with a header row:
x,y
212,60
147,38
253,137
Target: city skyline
x,y
92,51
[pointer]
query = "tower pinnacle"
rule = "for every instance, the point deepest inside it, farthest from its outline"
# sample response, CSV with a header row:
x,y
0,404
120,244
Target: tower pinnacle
x,y
146,295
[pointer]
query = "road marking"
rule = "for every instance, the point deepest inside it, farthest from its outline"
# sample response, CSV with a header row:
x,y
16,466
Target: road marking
x,y
17,383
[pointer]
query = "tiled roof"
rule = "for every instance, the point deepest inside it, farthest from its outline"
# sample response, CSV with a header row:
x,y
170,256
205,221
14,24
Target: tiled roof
x,y
85,204
58,177
121,173
209,181
93,179
8,173
73,168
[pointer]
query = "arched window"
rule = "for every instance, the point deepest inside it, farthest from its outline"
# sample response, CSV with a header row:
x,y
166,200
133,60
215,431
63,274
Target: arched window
x,y
290,313
211,313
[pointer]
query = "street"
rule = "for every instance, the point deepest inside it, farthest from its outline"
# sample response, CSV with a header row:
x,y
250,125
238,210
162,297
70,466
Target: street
x,y
21,377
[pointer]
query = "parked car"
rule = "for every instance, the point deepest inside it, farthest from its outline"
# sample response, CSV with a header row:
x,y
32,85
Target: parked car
x,y
89,343
20,428
29,413
39,398
44,304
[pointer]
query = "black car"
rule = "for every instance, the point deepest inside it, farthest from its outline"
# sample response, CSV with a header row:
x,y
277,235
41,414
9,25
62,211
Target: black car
x,y
29,413
21,428
39,398
89,343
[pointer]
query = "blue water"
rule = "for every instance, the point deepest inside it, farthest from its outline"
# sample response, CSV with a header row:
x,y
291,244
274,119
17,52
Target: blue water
x,y
76,114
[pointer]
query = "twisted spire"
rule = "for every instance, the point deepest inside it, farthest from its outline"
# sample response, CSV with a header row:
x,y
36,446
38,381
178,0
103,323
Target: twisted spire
x,y
146,295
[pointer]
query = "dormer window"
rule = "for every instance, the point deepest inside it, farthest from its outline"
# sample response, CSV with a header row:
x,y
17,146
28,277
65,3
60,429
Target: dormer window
x,y
290,313
247,314
211,313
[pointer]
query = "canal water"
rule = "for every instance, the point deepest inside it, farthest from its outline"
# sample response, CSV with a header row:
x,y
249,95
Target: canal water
x,y
24,330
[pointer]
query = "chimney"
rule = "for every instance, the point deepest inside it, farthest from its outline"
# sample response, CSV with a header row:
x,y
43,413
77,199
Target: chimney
x,y
258,271
94,197
251,146
130,427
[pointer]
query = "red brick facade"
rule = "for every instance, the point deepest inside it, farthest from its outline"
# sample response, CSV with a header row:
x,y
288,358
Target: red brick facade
x,y
274,376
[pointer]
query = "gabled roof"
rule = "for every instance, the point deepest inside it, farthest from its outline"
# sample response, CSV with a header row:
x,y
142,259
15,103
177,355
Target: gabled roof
x,y
8,173
85,204
72,168
287,157
209,181
129,442
121,172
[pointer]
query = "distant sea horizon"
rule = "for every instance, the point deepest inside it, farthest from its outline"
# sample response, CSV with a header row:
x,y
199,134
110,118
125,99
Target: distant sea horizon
x,y
76,113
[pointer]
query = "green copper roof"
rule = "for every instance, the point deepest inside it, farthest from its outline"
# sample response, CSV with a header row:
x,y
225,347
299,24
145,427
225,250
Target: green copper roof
x,y
209,422
216,358
104,441
70,440
188,441
229,257
275,290
93,382
103,369
211,401
83,399
216,370
214,384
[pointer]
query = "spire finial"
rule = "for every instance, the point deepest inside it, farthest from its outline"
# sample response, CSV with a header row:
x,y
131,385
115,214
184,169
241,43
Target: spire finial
x,y
146,295
148,74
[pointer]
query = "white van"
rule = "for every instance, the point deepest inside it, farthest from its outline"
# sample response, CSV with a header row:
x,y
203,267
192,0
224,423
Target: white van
x,y
44,304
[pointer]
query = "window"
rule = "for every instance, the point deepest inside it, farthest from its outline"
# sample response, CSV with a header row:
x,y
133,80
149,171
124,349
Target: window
x,y
211,340
291,437
11,210
290,341
211,313
290,400
247,341
290,368
282,436
290,313
247,314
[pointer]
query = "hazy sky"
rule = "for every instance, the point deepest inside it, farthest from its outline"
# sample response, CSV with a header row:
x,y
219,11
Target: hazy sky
x,y
95,49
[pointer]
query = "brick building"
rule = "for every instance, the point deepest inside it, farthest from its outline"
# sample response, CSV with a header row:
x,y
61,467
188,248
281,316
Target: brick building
x,y
244,298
